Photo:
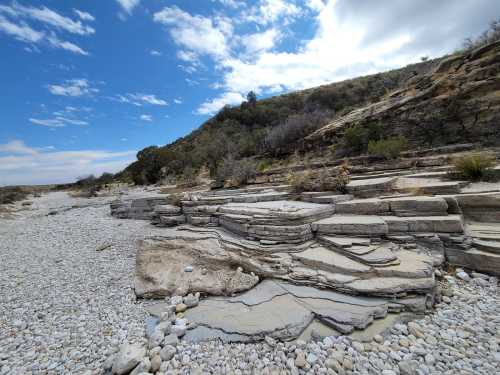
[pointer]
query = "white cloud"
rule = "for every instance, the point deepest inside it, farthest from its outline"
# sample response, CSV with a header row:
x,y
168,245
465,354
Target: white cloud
x,y
84,16
334,53
155,53
23,32
178,101
148,118
16,147
232,3
140,99
195,33
259,42
212,106
47,16
123,139
58,122
22,164
316,5
269,11
68,46
73,87
13,22
128,5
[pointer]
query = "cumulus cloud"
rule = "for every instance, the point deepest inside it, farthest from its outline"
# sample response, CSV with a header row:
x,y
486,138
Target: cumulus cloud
x,y
350,39
195,33
212,106
269,11
14,22
73,87
263,41
22,164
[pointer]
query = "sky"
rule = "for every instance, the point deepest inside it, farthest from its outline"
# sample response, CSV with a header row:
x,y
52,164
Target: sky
x,y
87,84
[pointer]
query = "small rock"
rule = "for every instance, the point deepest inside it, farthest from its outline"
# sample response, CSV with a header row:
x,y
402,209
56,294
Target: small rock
x,y
129,356
180,308
408,367
171,339
300,360
179,331
188,269
192,300
155,363
378,338
462,275
168,352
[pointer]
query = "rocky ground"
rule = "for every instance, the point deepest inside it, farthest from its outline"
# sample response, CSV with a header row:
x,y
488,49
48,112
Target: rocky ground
x,y
66,304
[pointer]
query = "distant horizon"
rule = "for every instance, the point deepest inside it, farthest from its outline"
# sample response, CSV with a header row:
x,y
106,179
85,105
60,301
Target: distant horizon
x,y
91,84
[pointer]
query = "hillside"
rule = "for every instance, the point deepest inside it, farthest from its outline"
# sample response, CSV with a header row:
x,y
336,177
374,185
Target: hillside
x,y
453,99
267,129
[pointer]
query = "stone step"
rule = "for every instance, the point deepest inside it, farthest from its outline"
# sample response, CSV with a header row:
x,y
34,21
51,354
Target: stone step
x,y
399,206
474,259
432,186
370,187
351,224
427,224
488,246
344,241
332,199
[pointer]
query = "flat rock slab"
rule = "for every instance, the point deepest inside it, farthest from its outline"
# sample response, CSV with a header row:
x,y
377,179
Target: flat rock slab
x,y
427,224
474,259
351,224
288,210
280,310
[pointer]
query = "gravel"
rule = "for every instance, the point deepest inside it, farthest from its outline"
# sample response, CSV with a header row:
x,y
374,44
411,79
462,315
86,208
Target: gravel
x,y
65,308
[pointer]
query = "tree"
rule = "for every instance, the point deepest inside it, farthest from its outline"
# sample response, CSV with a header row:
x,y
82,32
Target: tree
x,y
252,99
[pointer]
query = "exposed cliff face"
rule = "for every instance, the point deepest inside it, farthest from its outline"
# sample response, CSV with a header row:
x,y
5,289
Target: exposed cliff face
x,y
458,101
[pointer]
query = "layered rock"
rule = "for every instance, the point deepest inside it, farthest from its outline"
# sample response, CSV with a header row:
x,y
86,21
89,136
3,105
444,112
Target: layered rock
x,y
462,93
138,208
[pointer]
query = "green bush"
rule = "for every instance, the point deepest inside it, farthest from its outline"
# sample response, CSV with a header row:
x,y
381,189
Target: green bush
x,y
389,148
475,166
358,137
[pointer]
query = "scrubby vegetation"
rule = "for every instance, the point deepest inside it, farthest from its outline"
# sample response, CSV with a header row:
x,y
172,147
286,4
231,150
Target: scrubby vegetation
x,y
10,195
492,34
388,148
321,180
474,166
269,129
88,186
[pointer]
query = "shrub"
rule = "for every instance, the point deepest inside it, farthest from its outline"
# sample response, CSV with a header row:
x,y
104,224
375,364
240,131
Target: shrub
x,y
10,195
358,137
188,178
389,148
321,180
175,199
236,172
474,167
282,138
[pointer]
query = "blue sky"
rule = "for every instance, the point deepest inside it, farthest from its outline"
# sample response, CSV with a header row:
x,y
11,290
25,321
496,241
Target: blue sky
x,y
86,84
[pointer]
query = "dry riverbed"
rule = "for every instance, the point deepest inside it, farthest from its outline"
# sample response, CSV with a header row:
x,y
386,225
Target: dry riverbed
x,y
66,304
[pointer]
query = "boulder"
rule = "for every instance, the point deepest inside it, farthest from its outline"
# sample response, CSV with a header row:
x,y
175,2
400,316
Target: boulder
x,y
128,357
